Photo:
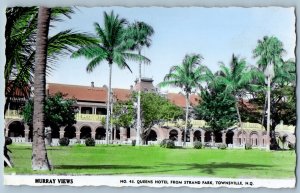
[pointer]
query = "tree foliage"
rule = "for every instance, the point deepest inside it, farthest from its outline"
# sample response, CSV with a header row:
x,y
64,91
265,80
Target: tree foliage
x,y
58,111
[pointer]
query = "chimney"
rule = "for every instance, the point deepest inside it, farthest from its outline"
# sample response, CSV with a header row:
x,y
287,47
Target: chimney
x,y
92,84
131,88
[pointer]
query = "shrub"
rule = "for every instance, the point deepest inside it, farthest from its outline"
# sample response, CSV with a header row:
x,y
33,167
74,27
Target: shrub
x,y
248,146
207,145
291,146
163,143
222,146
167,143
89,142
133,142
197,145
8,141
64,141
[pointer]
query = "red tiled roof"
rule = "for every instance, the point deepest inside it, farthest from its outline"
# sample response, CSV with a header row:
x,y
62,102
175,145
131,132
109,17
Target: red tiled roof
x,y
179,99
99,94
83,93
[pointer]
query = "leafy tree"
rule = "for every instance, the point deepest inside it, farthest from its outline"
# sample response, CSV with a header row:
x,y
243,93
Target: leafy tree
x,y
187,76
20,35
235,79
269,52
217,108
111,47
58,111
139,33
155,110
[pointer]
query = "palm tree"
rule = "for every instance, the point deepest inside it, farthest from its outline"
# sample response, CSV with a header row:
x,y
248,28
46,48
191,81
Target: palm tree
x,y
235,79
112,47
269,51
39,153
20,34
187,76
140,33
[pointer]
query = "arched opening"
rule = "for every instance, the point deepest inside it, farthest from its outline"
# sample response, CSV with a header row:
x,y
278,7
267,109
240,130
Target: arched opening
x,y
254,139
264,139
173,135
100,133
229,137
85,132
128,132
30,135
241,137
116,133
218,137
152,136
197,135
16,129
70,132
54,132
207,136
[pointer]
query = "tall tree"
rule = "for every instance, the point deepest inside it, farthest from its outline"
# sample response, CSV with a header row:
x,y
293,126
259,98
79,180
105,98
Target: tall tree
x,y
269,50
235,79
113,48
140,33
187,76
39,152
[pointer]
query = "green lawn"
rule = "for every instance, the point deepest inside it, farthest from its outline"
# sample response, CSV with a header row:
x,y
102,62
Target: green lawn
x,y
153,160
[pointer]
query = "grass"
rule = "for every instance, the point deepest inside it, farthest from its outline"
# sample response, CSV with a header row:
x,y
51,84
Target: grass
x,y
153,160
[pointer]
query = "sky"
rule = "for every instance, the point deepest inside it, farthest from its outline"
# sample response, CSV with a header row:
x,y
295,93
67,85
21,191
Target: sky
x,y
214,33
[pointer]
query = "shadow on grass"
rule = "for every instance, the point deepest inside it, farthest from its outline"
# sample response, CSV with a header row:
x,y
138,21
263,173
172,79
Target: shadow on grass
x,y
100,167
212,167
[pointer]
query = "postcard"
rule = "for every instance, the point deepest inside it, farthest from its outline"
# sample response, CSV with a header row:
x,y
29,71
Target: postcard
x,y
150,96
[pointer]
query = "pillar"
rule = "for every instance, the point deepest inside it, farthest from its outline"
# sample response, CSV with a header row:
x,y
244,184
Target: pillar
x,y
61,132
203,137
78,135
179,137
235,139
132,133
212,139
192,136
123,134
224,137
26,132
93,134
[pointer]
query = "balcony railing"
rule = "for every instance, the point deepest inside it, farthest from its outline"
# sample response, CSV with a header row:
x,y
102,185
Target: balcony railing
x,y
89,117
13,114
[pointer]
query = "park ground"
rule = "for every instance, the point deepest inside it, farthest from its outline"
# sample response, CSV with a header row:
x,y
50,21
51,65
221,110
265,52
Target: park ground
x,y
154,160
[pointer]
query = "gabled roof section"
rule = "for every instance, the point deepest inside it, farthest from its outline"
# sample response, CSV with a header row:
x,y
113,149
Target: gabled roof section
x,y
179,99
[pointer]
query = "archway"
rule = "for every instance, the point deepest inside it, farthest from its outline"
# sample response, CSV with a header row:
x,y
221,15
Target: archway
x,y
173,135
241,137
254,139
85,132
100,133
197,135
207,136
152,136
70,132
229,137
16,129
187,135
54,132
264,139
218,137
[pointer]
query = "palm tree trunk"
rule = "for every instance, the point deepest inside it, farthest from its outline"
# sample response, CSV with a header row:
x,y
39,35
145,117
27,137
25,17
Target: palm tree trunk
x,y
268,114
265,109
39,152
138,124
108,104
240,120
187,103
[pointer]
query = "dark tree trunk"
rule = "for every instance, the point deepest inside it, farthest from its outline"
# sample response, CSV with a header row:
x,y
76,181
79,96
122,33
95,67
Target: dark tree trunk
x,y
39,152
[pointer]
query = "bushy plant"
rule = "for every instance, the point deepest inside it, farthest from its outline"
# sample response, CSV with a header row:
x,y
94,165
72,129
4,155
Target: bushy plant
x,y
163,143
133,142
222,146
64,141
207,145
291,146
167,143
197,145
90,142
8,141
248,146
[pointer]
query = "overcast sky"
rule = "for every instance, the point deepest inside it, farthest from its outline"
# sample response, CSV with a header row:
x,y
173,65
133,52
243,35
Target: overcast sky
x,y
215,33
